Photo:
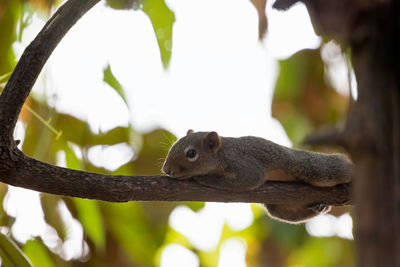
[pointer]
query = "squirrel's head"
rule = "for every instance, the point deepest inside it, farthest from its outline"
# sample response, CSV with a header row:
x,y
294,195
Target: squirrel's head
x,y
192,155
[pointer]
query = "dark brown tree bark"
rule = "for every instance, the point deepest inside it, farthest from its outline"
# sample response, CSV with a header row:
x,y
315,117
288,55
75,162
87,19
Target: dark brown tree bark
x,y
372,134
29,173
376,151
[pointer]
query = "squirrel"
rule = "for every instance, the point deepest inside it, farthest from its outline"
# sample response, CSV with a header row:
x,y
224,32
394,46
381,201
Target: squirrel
x,y
245,163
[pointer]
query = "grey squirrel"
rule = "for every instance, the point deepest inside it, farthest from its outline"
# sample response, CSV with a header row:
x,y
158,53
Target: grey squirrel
x,y
245,163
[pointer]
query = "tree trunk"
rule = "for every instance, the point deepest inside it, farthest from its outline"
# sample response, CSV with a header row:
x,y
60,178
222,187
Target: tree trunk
x,y
374,144
372,133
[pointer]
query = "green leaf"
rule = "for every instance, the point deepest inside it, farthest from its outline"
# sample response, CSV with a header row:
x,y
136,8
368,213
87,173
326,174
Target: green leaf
x,y
71,159
154,150
134,229
5,76
328,252
194,206
109,78
51,215
40,142
11,12
123,4
90,217
162,19
38,254
88,210
11,255
114,136
5,219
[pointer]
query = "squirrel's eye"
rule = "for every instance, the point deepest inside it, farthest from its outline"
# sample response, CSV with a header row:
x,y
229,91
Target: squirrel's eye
x,y
191,154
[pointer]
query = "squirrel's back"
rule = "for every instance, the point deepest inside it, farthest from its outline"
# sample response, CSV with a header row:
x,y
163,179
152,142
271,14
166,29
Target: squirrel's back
x,y
280,160
245,163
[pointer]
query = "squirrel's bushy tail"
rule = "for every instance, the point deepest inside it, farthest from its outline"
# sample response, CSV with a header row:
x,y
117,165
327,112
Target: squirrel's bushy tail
x,y
321,169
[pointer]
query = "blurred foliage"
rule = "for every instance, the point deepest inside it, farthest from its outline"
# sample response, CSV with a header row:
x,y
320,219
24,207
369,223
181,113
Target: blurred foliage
x,y
110,79
303,101
135,234
9,17
161,17
124,4
14,16
260,6
38,254
10,254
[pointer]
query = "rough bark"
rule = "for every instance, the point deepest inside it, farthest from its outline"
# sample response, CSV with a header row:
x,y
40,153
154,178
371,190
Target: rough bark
x,y
19,170
372,133
30,173
376,152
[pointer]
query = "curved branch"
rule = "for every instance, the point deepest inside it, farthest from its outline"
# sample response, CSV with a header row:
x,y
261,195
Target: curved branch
x,y
32,174
19,170
32,61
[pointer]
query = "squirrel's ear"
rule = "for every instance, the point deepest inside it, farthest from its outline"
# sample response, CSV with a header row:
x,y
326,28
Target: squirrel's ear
x,y
190,131
213,141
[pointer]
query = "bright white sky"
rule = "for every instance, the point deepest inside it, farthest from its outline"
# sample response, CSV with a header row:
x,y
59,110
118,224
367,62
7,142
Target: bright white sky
x,y
221,77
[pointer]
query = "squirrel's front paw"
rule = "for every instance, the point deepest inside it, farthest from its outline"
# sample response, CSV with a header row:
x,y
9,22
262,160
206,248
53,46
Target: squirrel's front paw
x,y
320,208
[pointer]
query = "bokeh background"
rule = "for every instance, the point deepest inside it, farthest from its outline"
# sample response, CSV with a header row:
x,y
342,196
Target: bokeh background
x,y
132,77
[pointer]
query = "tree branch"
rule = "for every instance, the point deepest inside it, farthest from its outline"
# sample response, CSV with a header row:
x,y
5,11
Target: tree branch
x,y
32,174
19,170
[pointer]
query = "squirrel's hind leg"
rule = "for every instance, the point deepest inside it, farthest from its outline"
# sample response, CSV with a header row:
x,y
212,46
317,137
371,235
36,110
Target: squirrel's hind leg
x,y
295,213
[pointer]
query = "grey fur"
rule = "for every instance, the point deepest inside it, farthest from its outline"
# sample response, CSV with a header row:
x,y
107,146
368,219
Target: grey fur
x,y
245,163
